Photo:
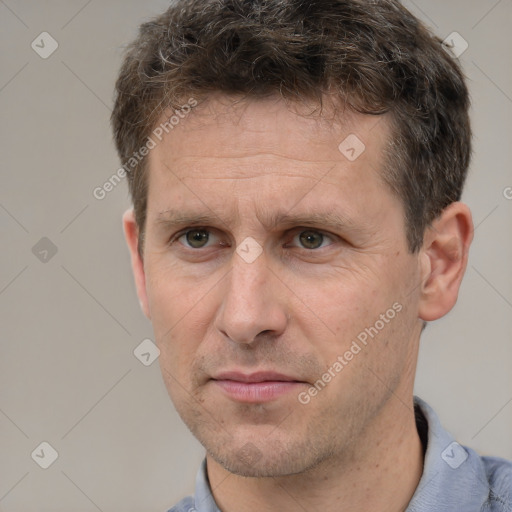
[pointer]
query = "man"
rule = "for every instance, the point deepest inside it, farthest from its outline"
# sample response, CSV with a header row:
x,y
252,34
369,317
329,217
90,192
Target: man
x,y
296,169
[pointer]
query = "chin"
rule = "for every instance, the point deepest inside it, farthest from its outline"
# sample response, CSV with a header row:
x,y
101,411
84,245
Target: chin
x,y
271,462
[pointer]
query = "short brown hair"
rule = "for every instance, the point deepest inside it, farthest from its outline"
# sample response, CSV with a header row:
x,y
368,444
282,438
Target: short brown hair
x,y
374,54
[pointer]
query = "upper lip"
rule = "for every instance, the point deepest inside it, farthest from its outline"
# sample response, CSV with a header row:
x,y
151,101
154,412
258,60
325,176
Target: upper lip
x,y
263,376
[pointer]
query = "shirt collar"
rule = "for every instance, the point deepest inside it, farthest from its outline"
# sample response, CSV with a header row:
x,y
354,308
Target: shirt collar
x,y
203,499
454,477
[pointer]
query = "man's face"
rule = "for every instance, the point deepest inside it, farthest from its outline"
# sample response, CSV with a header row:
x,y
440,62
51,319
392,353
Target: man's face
x,y
293,250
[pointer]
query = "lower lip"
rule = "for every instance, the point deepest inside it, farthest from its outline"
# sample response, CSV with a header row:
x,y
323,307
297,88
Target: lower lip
x,y
256,392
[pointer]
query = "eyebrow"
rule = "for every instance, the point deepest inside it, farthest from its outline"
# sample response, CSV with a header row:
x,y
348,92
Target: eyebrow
x,y
328,219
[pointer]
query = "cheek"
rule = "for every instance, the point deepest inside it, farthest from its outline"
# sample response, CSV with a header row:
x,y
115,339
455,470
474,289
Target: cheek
x,y
339,303
174,306
170,295
348,307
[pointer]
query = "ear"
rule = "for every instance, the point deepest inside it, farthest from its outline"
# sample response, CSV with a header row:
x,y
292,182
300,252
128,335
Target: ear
x,y
444,257
131,233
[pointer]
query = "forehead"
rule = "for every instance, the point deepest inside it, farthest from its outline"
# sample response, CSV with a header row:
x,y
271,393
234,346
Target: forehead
x,y
261,154
224,127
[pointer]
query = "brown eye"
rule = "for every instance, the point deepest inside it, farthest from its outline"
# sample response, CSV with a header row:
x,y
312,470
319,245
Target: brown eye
x,y
311,239
197,238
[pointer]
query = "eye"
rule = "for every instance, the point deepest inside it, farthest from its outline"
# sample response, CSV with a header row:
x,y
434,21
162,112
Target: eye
x,y
311,239
196,238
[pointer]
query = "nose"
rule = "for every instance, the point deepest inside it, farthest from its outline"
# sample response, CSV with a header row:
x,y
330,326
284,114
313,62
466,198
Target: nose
x,y
251,304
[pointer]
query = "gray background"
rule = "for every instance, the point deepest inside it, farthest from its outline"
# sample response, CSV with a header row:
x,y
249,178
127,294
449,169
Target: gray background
x,y
68,375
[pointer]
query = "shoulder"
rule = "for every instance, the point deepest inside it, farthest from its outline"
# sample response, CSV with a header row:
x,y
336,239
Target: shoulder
x,y
185,505
499,476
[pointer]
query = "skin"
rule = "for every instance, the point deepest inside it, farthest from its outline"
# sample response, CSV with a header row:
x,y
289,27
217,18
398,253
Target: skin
x,y
297,307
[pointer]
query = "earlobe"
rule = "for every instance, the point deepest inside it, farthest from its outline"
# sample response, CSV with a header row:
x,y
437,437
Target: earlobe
x,y
443,260
131,233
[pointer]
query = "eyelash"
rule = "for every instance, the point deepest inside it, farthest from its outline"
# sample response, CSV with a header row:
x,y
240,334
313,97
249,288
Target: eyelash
x,y
297,232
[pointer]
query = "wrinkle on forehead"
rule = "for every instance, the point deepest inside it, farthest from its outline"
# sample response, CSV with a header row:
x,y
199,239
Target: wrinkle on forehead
x,y
245,128
257,166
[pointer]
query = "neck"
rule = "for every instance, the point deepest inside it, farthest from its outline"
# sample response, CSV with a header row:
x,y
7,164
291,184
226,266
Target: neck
x,y
380,472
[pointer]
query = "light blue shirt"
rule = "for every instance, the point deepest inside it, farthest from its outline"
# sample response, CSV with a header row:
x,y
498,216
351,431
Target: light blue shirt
x,y
455,478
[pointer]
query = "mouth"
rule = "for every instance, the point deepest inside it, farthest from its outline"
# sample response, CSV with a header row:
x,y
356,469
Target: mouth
x,y
256,387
